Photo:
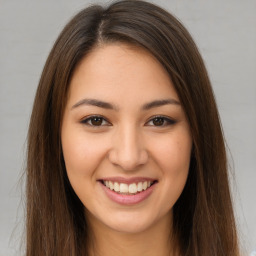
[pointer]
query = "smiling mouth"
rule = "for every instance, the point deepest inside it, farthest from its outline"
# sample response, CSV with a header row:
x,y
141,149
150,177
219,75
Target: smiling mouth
x,y
128,189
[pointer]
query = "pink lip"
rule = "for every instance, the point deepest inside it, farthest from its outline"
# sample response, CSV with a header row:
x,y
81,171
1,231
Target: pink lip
x,y
127,199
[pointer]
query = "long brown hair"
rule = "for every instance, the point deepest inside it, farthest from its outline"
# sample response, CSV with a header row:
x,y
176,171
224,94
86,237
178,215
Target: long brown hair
x,y
203,216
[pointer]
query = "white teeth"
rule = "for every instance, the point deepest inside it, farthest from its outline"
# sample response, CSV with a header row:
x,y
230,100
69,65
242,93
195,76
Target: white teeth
x,y
124,188
116,187
111,185
139,186
133,188
127,188
144,185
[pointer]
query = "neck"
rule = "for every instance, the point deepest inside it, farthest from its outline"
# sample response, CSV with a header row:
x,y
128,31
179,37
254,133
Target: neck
x,y
156,240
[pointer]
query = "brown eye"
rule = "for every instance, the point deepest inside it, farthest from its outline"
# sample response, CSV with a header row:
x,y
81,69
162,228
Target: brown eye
x,y
158,121
95,121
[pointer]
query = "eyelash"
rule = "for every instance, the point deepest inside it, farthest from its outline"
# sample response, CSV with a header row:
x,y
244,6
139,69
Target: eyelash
x,y
86,120
166,121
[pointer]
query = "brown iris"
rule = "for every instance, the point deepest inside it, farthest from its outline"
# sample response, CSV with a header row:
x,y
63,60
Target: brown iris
x,y
96,121
158,121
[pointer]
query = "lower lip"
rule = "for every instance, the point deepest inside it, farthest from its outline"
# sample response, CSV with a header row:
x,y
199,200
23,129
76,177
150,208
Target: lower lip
x,y
128,199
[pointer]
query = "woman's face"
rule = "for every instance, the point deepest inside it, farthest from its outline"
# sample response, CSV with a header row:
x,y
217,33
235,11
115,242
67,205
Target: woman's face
x,y
125,138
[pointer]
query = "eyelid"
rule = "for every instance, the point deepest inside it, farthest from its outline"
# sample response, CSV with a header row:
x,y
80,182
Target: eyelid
x,y
88,118
168,120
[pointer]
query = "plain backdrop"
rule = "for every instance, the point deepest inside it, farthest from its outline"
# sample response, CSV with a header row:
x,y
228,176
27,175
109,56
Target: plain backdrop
x,y
225,32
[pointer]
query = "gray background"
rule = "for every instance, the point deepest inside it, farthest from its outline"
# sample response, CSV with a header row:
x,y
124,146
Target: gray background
x,y
225,31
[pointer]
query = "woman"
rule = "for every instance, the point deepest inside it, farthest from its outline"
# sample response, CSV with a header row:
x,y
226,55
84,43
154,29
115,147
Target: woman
x,y
125,150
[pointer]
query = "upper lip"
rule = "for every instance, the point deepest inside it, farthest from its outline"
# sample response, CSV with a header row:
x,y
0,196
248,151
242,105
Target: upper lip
x,y
127,180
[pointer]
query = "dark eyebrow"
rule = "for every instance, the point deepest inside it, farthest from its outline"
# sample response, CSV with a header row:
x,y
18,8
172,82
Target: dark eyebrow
x,y
94,102
159,103
106,105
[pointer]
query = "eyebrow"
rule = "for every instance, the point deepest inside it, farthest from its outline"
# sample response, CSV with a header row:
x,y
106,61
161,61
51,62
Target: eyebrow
x,y
159,103
106,105
94,102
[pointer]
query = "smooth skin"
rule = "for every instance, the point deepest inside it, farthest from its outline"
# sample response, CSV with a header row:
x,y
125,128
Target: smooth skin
x,y
111,128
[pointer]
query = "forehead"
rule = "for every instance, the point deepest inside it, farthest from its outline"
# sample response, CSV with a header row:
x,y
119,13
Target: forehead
x,y
118,72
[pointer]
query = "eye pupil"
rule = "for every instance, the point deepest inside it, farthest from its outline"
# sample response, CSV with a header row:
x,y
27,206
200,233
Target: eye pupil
x,y
158,121
97,121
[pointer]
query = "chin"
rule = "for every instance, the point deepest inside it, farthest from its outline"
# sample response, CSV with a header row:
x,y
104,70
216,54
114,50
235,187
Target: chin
x,y
131,223
129,228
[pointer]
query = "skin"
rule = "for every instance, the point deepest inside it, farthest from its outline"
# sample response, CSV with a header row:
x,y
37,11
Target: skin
x,y
127,143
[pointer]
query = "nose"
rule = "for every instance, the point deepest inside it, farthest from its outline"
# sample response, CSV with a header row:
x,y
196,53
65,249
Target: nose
x,y
128,150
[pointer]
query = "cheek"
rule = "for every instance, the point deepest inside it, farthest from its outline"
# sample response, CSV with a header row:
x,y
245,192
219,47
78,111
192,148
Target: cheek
x,y
82,154
173,154
173,157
